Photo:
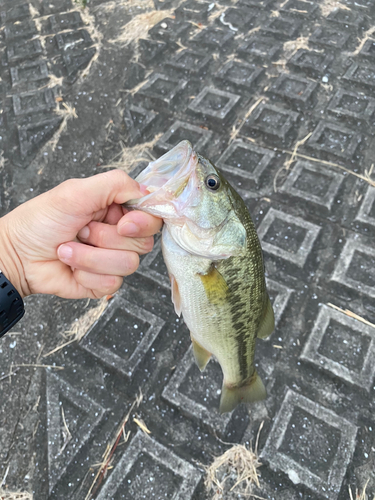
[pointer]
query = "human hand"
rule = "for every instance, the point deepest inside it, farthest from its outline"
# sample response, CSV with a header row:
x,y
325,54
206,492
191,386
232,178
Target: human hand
x,y
76,240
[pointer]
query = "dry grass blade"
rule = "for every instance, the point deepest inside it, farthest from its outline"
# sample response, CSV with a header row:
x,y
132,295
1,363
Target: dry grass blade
x,y
142,425
329,6
111,448
139,26
238,463
236,131
360,496
128,157
79,328
288,163
15,495
351,315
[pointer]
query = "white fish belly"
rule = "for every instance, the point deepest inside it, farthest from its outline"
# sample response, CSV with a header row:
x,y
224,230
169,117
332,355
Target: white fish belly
x,y
210,325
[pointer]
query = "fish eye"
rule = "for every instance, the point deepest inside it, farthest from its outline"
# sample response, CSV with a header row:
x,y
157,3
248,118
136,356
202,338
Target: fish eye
x,y
212,182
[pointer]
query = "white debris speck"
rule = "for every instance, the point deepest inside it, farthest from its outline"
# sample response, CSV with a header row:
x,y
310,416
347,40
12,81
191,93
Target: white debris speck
x,y
294,477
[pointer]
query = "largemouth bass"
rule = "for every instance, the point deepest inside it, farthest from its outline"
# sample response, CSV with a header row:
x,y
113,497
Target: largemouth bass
x,y
215,264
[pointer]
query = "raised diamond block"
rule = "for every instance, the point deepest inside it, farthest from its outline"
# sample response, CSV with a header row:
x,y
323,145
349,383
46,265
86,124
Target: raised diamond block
x,y
356,266
330,37
18,29
282,27
335,140
215,104
312,62
147,467
311,444
300,8
151,50
190,61
179,131
368,49
213,38
33,102
366,212
287,237
313,183
240,74
343,346
347,17
352,105
15,13
122,336
169,29
294,89
161,89
65,21
197,394
260,47
138,121
279,296
245,161
81,415
194,11
237,18
29,72
361,74
24,50
72,39
35,135
272,120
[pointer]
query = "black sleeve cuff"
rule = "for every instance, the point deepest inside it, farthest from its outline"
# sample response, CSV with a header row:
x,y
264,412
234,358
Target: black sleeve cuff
x,y
11,305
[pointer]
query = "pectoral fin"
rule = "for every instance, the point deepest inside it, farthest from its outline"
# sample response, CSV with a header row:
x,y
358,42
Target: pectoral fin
x,y
268,321
201,355
249,393
176,298
215,286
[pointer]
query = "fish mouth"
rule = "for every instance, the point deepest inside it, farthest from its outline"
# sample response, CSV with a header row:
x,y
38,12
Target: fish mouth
x,y
165,179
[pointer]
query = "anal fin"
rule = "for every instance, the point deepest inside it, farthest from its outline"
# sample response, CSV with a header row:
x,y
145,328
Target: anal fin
x,y
201,355
249,393
268,321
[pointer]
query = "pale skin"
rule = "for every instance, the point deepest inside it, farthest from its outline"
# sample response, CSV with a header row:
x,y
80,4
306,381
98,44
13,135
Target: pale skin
x,y
76,240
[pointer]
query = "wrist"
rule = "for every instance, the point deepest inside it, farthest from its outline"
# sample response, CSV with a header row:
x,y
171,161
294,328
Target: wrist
x,y
10,263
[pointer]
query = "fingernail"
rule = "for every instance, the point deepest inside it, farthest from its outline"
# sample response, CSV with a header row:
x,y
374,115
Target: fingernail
x,y
65,252
144,189
84,233
129,229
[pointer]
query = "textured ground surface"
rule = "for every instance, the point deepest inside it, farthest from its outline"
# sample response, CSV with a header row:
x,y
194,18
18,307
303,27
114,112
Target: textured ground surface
x,y
244,81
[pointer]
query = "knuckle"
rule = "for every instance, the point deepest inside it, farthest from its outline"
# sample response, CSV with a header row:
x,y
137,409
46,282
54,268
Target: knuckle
x,y
101,237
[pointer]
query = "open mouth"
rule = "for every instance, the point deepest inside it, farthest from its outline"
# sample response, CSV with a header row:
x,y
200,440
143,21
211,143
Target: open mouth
x,y
166,177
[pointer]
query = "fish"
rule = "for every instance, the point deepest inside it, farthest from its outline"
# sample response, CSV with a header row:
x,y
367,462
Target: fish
x,y
215,264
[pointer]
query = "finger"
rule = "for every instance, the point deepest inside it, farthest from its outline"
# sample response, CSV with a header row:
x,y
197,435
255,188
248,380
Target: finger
x,y
114,214
103,235
96,193
136,223
99,284
98,260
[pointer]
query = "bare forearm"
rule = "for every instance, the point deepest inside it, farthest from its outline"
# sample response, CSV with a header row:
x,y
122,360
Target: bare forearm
x,y
10,264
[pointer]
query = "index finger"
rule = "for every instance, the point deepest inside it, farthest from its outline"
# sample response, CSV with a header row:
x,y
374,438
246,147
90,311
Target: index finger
x,y
140,224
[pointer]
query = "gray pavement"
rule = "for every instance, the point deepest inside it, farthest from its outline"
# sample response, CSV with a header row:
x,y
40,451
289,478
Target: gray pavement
x,y
248,83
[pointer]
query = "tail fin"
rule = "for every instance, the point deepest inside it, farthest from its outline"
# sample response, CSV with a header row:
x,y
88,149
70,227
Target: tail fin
x,y
231,397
